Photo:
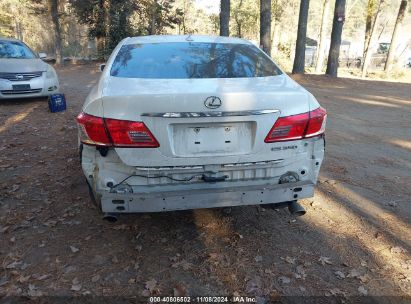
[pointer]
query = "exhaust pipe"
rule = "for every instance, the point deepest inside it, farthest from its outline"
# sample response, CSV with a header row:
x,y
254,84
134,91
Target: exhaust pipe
x,y
296,209
110,217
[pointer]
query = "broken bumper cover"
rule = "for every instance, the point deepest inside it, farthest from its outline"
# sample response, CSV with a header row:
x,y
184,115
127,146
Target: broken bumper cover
x,y
201,198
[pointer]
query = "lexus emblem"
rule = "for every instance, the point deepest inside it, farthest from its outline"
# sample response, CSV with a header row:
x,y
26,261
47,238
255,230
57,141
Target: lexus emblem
x,y
213,102
19,76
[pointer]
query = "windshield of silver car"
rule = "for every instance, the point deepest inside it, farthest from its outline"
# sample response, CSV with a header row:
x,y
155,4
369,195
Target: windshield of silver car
x,y
14,49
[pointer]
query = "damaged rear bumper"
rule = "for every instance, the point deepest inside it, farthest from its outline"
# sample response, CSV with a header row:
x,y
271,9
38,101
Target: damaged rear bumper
x,y
204,198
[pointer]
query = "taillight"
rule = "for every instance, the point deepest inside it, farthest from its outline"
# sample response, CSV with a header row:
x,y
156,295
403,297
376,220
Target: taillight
x,y
92,130
316,124
298,126
113,132
126,133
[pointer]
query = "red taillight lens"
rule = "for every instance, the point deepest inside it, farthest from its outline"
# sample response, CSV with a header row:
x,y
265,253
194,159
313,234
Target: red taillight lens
x,y
92,130
288,128
126,133
298,126
316,125
113,132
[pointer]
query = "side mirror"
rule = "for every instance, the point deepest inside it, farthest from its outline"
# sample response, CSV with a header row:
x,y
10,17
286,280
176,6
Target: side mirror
x,y
42,55
102,66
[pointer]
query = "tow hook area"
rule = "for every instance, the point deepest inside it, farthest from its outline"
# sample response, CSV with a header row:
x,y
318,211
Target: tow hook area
x,y
213,179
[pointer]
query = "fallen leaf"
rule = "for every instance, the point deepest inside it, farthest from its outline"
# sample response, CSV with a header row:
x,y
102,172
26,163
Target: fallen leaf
x,y
180,290
74,249
183,264
258,258
40,277
300,272
120,227
334,292
362,290
364,278
325,260
284,280
14,188
289,260
354,273
14,265
254,286
95,278
151,285
76,285
23,279
340,274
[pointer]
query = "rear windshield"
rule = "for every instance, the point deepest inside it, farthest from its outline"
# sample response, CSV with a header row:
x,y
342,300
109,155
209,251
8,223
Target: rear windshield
x,y
14,49
183,60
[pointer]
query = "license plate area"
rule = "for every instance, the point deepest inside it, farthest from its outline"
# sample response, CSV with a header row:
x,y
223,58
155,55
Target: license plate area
x,y
213,139
21,87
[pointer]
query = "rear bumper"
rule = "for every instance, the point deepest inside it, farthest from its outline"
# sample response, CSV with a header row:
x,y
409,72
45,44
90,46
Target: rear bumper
x,y
200,198
156,189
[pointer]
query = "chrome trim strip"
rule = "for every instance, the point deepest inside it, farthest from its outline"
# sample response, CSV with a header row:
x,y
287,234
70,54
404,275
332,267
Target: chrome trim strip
x,y
209,114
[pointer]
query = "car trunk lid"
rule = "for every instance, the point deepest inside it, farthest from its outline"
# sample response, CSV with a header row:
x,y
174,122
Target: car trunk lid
x,y
175,112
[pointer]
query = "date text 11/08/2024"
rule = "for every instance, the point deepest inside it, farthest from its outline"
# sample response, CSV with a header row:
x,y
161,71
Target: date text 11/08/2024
x,y
206,299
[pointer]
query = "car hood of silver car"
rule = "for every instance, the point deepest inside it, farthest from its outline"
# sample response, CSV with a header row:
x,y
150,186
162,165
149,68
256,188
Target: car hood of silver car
x,y
12,65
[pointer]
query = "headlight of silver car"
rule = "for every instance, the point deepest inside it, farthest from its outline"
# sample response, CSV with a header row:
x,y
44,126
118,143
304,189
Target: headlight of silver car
x,y
50,73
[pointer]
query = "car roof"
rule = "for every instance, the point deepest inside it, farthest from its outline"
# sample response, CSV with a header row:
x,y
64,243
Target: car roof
x,y
184,38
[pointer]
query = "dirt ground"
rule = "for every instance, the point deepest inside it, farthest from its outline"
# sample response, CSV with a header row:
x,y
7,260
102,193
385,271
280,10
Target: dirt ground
x,y
355,239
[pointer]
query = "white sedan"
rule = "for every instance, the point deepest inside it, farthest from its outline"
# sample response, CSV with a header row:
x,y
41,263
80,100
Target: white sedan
x,y
23,73
185,122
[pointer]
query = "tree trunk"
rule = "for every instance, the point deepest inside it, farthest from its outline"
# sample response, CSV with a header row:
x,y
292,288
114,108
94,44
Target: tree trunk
x,y
53,10
265,26
338,22
371,5
299,59
225,18
323,34
394,39
368,53
152,28
238,21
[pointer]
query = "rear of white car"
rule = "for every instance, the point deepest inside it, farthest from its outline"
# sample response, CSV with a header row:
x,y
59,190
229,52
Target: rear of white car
x,y
185,122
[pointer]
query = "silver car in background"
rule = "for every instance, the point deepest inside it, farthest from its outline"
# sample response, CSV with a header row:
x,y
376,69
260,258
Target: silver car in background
x,y
185,122
23,73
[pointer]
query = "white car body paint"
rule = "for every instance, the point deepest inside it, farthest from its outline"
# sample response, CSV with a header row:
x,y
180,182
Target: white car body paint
x,y
229,142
